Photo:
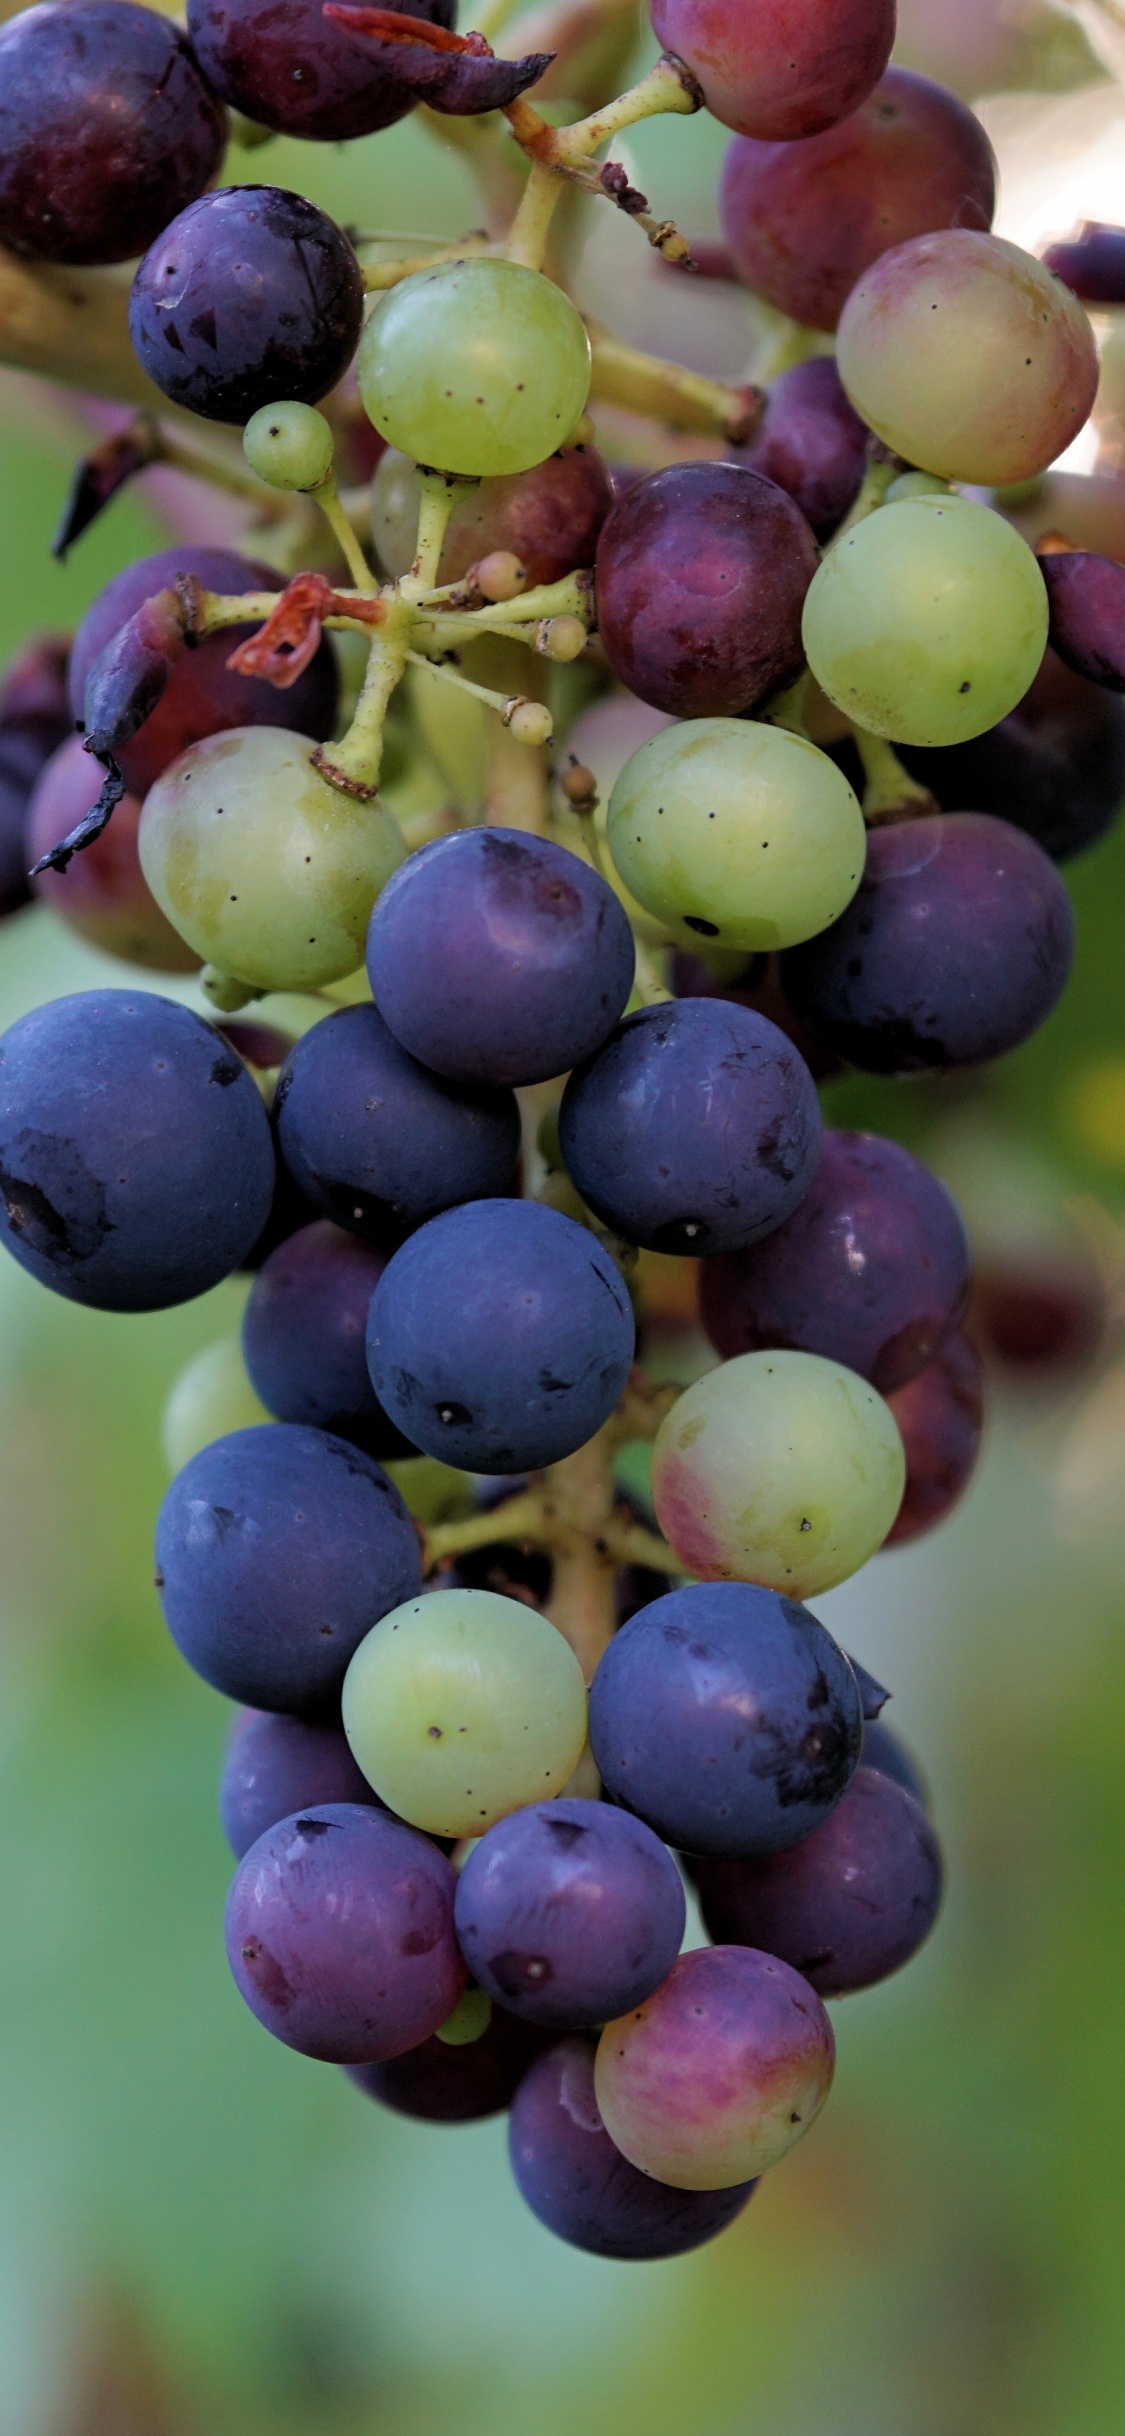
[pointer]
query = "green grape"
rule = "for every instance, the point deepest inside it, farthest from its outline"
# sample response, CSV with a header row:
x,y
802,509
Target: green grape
x,y
479,367
468,2021
396,495
915,486
780,1468
462,1706
265,869
927,622
289,445
433,1492
737,833
211,1396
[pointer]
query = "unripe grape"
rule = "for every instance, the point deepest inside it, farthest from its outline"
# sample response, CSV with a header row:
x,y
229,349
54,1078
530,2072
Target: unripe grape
x,y
779,1468
289,445
268,871
736,832
462,1706
211,1397
479,367
530,722
928,621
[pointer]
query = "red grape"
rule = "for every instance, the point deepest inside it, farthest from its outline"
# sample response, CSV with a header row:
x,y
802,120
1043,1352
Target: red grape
x,y
102,893
1087,601
940,1415
1091,263
781,68
810,441
549,518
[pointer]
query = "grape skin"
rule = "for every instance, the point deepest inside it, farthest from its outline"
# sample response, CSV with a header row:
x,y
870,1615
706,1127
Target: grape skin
x,y
782,70
1055,766
436,2083
287,67
581,2187
276,1767
822,1454
570,1913
1086,594
549,517
941,1416
102,894
884,1749
462,1706
211,1396
480,367
303,1339
810,441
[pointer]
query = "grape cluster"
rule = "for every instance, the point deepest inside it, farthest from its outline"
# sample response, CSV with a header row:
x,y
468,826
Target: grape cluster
x,y
494,1705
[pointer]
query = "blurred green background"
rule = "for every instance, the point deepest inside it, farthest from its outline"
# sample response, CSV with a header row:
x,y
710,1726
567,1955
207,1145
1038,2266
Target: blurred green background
x,y
200,2231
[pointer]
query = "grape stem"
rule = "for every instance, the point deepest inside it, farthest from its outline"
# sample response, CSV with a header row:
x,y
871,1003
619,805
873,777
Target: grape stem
x,y
354,764
378,276
328,500
511,707
646,981
688,401
891,794
882,468
560,154
439,495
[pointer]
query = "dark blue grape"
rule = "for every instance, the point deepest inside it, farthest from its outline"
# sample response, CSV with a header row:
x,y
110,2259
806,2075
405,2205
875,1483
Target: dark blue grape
x,y
286,66
499,958
848,1905
136,1165
810,441
276,1766
339,1933
370,1137
885,1750
726,1716
251,294
570,1912
582,2188
954,949
872,1269
303,1335
436,2083
1054,767
695,1129
500,1336
277,1549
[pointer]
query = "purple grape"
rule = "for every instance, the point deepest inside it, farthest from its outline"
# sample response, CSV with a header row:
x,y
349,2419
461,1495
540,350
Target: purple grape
x,y
136,1166
695,1129
726,1717
339,1933
103,893
884,1749
203,696
954,949
303,1338
582,2188
15,887
1086,595
811,443
252,294
534,952
277,1549
1054,767
845,1907
1091,263
940,1415
376,1141
500,1336
570,1913
107,130
871,1269
436,2083
34,721
702,572
276,1766
286,66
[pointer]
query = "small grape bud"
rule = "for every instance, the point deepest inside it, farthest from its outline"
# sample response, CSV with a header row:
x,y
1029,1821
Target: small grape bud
x,y
499,576
226,992
289,446
530,722
579,786
560,638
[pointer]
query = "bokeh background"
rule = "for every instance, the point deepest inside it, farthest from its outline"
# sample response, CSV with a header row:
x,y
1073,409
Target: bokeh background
x,y
202,2232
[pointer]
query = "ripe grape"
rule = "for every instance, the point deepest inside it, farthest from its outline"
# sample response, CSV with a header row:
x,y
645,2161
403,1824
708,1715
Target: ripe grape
x,y
720,2073
202,696
549,517
1086,596
695,1129
848,1905
244,845
375,1140
462,1706
955,949
582,2188
136,1166
727,1718
289,445
928,621
34,721
500,1336
570,1912
211,1397
535,955
779,1468
1091,263
286,67
871,1269
737,832
804,221
276,1550
437,2083
884,1750
102,893
478,366
784,70
810,441
278,1766
1054,767
967,357
701,574
107,129
251,294
303,1338
339,1931
940,1416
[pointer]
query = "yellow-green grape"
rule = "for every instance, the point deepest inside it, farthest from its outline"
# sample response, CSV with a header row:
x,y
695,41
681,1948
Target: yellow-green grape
x,y
779,1468
265,869
915,486
468,2021
479,367
433,1492
289,445
462,1706
211,1397
737,833
927,622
